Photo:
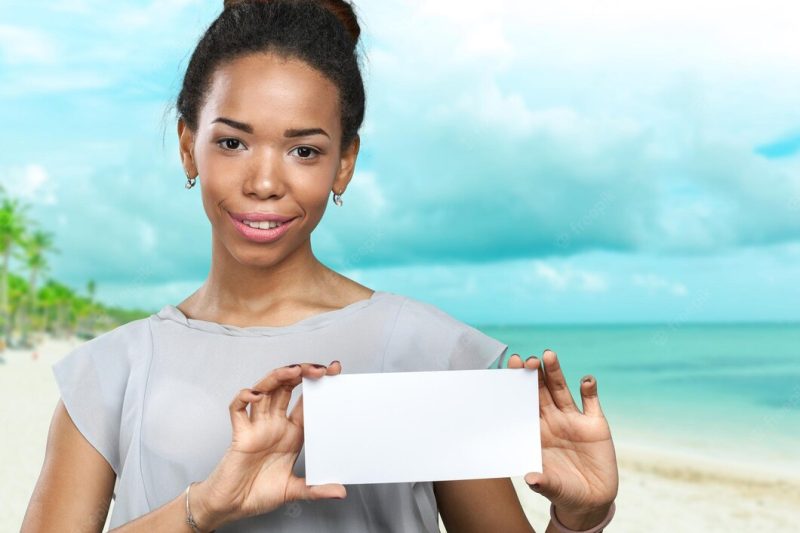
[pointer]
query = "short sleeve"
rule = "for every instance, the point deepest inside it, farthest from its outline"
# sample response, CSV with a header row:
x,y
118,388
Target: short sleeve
x,y
93,380
427,338
476,350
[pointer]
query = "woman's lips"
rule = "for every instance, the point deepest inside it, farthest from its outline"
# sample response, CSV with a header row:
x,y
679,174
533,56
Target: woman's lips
x,y
260,235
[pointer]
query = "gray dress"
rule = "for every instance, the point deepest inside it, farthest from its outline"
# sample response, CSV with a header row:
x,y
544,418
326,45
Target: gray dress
x,y
152,397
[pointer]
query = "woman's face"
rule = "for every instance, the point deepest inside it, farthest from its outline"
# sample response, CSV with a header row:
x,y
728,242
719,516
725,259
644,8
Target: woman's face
x,y
267,143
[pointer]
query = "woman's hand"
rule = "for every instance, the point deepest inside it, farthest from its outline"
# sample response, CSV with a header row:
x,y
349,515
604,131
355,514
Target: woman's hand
x,y
255,474
580,466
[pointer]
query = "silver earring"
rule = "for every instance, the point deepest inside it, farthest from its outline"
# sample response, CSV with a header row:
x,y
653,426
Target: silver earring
x,y
337,198
190,181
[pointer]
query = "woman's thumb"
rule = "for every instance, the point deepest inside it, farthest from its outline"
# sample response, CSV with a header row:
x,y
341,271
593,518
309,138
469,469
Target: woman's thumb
x,y
539,482
298,490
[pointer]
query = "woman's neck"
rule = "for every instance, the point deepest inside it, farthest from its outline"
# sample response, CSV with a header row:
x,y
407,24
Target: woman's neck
x,y
279,294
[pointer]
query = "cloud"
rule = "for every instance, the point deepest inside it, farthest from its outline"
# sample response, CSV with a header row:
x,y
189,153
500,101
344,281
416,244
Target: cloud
x,y
89,45
578,141
568,278
21,46
31,183
653,283
495,133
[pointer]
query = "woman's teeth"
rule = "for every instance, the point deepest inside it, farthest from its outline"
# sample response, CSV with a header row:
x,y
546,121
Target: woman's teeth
x,y
264,224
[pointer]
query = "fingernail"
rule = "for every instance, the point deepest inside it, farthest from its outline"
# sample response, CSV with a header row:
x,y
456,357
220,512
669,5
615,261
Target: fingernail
x,y
336,361
256,391
291,366
317,366
531,357
586,379
535,487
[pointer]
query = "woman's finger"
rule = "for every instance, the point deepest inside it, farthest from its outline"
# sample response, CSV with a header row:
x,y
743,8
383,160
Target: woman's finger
x,y
238,407
279,376
334,368
533,363
515,361
556,383
280,399
545,399
296,415
543,484
297,489
589,397
262,409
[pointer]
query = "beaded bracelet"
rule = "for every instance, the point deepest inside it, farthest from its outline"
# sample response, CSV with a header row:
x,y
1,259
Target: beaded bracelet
x,y
561,528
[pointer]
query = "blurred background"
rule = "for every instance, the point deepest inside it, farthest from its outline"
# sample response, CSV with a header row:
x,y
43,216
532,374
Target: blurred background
x,y
616,182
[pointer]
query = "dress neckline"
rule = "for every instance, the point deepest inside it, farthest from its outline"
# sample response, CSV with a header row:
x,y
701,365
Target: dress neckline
x,y
170,312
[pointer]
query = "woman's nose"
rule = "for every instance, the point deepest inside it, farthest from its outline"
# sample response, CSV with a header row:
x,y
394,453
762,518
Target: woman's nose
x,y
266,177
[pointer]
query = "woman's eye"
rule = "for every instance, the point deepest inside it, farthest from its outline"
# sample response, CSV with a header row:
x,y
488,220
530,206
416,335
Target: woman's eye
x,y
229,144
306,152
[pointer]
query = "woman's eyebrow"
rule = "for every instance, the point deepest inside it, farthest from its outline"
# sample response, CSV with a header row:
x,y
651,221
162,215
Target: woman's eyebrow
x,y
303,132
234,124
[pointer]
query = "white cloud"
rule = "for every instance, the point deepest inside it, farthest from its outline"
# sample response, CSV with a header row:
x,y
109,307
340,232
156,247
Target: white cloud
x,y
147,236
655,283
26,46
568,278
31,183
365,190
54,82
558,104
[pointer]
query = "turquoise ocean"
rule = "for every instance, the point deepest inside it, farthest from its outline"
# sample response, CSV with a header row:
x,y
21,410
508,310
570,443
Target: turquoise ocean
x,y
729,390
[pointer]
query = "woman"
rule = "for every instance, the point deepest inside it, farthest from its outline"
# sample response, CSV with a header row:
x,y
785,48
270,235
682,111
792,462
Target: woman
x,y
269,114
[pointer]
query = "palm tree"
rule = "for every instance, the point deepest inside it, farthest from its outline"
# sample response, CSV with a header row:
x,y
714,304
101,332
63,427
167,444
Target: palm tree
x,y
18,291
91,288
57,301
35,246
13,221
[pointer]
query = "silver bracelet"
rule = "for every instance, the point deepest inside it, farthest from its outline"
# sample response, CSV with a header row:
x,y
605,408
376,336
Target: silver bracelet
x,y
189,519
561,528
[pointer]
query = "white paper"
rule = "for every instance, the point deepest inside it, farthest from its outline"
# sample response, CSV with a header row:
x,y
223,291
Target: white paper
x,y
421,426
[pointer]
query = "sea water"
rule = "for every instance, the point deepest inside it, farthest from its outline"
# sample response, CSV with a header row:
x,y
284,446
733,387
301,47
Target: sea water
x,y
732,390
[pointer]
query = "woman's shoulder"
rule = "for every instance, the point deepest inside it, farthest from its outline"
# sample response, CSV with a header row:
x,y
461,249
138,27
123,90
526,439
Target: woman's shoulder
x,y
423,329
94,380
427,314
127,334
118,348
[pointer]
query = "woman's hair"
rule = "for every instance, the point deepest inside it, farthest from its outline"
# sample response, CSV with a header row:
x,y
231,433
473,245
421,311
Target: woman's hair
x,y
322,33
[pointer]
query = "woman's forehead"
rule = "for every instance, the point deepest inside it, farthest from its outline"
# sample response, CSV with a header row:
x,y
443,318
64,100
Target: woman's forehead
x,y
268,89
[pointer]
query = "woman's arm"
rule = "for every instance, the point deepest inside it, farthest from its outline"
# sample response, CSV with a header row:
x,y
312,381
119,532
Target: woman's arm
x,y
480,505
74,489
171,517
492,505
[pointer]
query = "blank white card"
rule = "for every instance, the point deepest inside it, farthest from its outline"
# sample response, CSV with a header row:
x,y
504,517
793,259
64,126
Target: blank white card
x,y
421,426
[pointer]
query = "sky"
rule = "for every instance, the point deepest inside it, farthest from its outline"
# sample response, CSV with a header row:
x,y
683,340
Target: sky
x,y
521,163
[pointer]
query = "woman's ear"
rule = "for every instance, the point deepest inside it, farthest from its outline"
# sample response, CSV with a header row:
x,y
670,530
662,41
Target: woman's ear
x,y
347,165
186,147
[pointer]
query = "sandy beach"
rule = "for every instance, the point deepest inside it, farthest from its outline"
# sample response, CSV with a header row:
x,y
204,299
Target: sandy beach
x,y
661,489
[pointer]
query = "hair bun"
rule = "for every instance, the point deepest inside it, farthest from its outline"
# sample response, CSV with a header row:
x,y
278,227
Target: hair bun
x,y
341,8
344,12
230,3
